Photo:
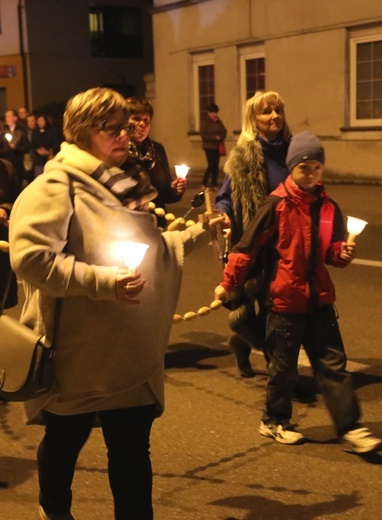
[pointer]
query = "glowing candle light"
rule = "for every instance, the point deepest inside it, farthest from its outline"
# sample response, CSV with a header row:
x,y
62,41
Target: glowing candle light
x,y
8,137
133,254
181,170
355,226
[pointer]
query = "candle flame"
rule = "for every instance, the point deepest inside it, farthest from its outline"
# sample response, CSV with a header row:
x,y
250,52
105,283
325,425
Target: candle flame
x,y
181,170
133,253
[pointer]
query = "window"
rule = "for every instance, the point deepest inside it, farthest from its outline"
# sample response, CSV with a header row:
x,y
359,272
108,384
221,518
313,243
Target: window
x,y
254,76
204,85
116,32
366,81
252,72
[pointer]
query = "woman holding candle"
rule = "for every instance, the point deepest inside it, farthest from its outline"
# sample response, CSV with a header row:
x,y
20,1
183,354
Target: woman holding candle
x,y
69,232
152,156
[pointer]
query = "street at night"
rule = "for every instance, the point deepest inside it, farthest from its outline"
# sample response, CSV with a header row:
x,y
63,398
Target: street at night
x,y
209,460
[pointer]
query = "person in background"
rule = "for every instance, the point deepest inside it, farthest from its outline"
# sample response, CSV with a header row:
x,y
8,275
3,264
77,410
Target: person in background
x,y
14,144
28,157
300,230
212,132
151,156
70,230
7,198
44,144
22,115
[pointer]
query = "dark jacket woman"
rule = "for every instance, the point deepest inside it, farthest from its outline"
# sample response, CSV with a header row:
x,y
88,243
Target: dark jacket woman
x,y
213,133
152,156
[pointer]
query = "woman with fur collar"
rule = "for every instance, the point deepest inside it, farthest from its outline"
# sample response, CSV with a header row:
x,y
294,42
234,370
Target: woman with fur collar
x,y
254,167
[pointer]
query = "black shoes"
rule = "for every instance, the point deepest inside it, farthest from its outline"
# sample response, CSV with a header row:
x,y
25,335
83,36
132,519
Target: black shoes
x,y
242,352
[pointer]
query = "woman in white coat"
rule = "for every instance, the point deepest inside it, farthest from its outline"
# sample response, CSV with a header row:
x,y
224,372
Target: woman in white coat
x,y
67,236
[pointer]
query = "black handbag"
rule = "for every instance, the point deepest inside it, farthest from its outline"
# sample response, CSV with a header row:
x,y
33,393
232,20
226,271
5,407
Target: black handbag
x,y
26,358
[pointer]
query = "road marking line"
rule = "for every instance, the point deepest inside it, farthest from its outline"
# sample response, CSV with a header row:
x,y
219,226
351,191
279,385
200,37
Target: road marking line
x,y
351,366
303,361
371,263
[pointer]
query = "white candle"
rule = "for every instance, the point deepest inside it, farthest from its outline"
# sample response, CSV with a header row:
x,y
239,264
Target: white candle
x,y
355,226
181,170
133,254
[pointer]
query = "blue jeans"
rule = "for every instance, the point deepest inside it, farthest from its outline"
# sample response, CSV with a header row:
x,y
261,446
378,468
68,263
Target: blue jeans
x,y
126,433
321,337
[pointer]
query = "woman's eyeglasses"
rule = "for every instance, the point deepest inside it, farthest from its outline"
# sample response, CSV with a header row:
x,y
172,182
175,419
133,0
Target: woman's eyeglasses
x,y
115,130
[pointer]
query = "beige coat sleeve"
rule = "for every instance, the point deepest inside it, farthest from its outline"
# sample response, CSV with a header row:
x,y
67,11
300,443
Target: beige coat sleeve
x,y
39,226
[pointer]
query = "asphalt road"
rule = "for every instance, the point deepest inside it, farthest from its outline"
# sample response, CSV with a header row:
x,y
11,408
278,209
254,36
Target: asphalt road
x,y
209,461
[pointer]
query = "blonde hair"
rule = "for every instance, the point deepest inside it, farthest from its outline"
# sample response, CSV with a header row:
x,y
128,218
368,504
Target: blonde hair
x,y
253,107
87,109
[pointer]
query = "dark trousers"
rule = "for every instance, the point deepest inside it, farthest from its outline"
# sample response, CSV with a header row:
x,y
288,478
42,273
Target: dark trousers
x,y
126,433
213,158
321,337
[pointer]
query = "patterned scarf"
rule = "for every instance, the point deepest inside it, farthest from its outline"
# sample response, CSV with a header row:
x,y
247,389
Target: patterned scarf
x,y
144,155
131,186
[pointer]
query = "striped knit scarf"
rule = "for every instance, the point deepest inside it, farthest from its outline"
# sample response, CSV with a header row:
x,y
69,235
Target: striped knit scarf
x,y
131,186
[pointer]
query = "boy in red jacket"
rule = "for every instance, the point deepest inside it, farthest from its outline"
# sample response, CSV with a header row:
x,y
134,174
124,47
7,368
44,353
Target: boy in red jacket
x,y
297,231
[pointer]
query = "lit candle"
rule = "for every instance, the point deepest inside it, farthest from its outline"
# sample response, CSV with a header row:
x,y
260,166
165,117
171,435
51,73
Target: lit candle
x,y
133,254
8,137
355,226
181,170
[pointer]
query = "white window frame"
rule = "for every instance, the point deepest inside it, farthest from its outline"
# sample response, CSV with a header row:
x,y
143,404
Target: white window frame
x,y
246,54
199,60
354,121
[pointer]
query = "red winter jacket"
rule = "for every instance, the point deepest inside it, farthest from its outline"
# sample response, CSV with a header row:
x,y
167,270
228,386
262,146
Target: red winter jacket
x,y
296,233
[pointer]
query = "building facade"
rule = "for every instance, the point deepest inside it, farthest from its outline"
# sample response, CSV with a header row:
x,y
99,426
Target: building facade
x,y
323,57
52,49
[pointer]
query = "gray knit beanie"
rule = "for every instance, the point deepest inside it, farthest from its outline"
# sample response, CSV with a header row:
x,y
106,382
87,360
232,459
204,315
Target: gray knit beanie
x,y
304,147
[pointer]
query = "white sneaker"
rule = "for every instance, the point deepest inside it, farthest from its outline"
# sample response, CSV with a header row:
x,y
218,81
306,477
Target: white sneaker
x,y
45,516
361,440
282,434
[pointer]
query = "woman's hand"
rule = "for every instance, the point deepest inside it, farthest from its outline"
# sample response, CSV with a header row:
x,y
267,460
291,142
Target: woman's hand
x,y
216,223
179,185
226,221
128,286
43,151
347,252
221,294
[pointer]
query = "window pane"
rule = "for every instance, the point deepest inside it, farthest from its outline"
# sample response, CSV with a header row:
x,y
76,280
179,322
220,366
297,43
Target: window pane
x,y
363,52
377,110
254,76
377,90
206,87
377,70
364,90
364,110
369,80
116,32
377,50
363,71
